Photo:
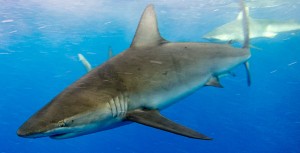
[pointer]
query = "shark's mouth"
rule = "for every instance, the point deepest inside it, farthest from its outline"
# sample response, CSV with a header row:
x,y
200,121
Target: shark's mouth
x,y
65,135
62,135
57,135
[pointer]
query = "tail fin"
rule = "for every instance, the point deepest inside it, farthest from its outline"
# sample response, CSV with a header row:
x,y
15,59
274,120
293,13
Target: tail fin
x,y
246,31
245,23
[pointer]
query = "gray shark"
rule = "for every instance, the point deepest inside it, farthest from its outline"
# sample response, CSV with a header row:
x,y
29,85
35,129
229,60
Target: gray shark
x,y
135,85
259,28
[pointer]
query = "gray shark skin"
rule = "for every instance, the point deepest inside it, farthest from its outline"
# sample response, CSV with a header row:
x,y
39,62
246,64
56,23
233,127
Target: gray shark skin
x,y
260,28
135,85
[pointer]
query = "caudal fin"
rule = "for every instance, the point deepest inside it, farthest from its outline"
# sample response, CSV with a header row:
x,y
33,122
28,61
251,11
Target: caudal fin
x,y
246,33
245,23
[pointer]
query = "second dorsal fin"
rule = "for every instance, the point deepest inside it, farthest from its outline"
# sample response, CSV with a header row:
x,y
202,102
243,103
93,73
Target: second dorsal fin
x,y
147,34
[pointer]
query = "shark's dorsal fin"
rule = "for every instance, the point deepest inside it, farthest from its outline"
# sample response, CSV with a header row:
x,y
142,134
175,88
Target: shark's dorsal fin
x,y
240,15
147,34
154,119
110,53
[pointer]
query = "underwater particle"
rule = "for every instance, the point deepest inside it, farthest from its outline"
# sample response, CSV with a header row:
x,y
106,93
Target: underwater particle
x,y
14,31
273,71
42,27
155,62
7,21
292,63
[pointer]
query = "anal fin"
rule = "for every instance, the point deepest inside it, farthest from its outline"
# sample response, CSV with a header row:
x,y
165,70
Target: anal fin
x,y
154,119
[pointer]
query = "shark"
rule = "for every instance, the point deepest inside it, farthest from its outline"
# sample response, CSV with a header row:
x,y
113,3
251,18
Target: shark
x,y
260,28
135,85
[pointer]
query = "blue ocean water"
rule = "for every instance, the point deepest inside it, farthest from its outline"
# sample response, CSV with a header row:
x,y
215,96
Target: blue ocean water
x,y
40,40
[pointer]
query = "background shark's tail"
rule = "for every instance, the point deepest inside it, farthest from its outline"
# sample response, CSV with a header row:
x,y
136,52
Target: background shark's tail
x,y
246,45
245,23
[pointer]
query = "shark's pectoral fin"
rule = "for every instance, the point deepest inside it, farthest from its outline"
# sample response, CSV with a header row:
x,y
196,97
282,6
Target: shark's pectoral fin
x,y
214,81
154,119
85,62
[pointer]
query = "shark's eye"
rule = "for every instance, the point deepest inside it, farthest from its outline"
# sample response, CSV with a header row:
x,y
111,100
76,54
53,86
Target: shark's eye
x,y
61,123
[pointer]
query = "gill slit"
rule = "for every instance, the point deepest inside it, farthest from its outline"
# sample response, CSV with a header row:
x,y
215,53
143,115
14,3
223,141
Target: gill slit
x,y
119,106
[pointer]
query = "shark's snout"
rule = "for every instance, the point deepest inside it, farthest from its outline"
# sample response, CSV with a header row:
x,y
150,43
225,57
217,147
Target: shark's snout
x,y
27,134
22,133
36,132
28,131
36,126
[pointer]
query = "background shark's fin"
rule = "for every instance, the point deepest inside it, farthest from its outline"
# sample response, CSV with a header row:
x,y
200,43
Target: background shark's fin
x,y
270,34
154,119
110,53
147,33
247,66
245,23
85,62
255,47
240,15
246,32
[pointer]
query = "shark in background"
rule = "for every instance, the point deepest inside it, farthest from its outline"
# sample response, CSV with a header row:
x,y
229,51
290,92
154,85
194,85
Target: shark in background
x,y
264,3
135,85
259,28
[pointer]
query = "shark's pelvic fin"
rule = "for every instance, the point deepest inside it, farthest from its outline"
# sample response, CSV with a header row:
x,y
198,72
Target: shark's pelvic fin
x,y
247,66
85,62
214,81
154,119
147,34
